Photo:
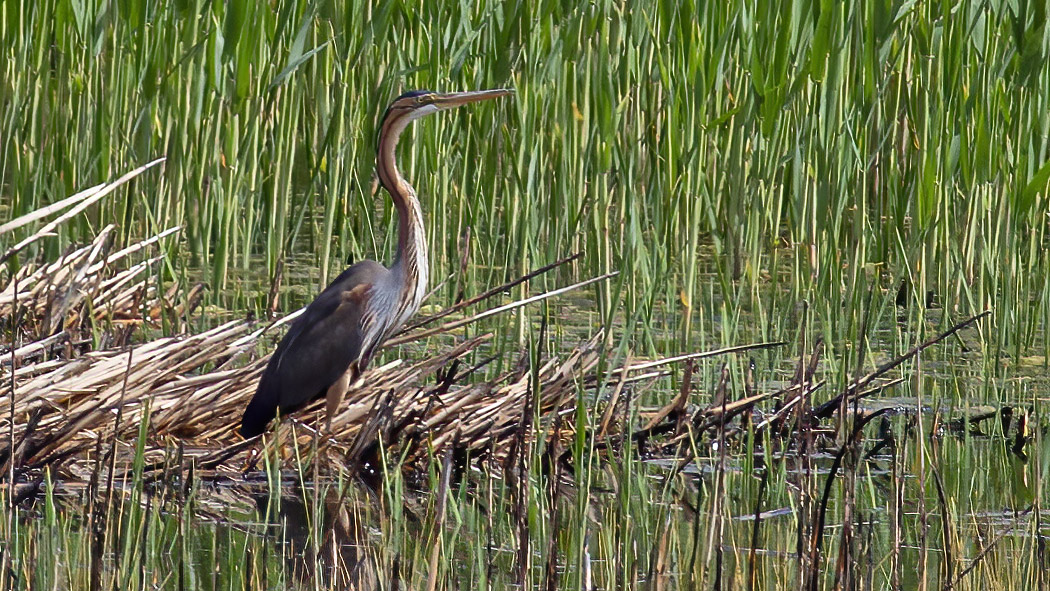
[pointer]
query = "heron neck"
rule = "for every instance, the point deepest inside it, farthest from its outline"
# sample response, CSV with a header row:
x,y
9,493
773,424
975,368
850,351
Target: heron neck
x,y
410,261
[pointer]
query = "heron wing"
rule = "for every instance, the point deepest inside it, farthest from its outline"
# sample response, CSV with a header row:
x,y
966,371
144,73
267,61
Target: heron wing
x,y
317,349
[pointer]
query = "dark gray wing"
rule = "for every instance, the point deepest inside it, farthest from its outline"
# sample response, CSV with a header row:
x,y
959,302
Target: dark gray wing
x,y
317,349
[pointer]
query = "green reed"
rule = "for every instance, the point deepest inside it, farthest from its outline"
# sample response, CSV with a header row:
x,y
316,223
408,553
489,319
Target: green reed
x,y
666,141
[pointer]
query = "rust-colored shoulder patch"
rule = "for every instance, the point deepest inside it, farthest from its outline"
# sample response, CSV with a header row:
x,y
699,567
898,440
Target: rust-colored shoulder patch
x,y
356,295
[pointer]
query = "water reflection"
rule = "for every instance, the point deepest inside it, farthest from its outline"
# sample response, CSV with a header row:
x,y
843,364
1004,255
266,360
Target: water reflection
x,y
322,540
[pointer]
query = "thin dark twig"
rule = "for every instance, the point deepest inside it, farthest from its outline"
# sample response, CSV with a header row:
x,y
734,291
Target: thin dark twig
x,y
946,538
553,460
719,500
439,520
826,498
400,338
752,572
984,551
825,410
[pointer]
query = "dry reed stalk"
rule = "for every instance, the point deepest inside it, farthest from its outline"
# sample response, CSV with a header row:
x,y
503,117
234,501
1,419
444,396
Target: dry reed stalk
x,y
83,286
195,386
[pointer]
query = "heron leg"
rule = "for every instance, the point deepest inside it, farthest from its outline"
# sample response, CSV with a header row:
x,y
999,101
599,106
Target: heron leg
x,y
336,392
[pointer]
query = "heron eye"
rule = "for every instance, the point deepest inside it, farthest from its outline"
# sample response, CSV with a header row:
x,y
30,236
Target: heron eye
x,y
419,100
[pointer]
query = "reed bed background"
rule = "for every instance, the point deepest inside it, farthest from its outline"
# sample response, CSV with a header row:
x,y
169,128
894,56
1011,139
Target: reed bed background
x,y
758,143
846,178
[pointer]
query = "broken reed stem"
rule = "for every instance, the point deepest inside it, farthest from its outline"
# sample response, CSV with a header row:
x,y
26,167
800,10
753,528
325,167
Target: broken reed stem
x,y
43,212
701,355
494,311
412,325
95,196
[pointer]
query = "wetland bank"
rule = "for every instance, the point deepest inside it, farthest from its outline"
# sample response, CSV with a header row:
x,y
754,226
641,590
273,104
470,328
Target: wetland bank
x,y
823,187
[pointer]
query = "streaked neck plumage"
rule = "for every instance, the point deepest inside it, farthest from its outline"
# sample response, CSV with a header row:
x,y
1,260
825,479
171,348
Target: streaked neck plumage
x,y
411,265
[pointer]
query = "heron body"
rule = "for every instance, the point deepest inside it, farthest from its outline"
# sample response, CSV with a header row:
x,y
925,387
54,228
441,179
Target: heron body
x,y
331,343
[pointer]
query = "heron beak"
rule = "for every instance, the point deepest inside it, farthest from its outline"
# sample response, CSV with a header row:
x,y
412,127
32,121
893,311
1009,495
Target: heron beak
x,y
458,99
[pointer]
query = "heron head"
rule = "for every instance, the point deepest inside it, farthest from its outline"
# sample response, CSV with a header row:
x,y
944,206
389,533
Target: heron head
x,y
419,103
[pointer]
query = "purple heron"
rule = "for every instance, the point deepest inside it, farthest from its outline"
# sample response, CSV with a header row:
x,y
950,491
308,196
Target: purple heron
x,y
331,343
